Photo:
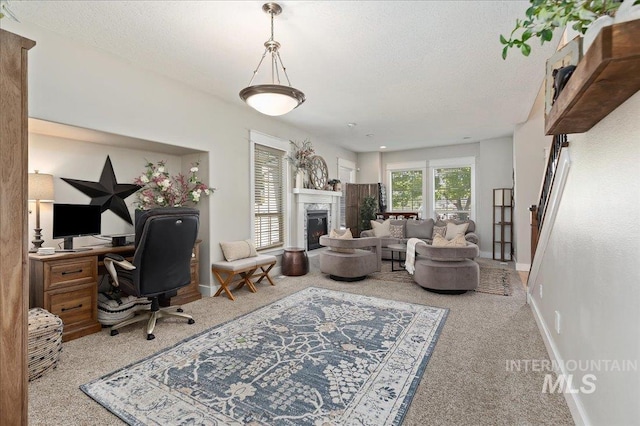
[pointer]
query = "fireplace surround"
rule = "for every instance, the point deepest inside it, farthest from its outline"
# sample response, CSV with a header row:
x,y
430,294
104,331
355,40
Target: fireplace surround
x,y
311,200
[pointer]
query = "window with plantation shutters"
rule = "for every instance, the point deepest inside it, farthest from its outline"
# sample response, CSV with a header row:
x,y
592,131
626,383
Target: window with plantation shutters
x,y
268,197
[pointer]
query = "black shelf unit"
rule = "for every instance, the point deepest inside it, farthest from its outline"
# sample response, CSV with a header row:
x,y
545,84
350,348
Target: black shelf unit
x,y
503,224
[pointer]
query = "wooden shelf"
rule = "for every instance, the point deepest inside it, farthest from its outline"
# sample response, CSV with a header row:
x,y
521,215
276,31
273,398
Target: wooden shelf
x,y
607,75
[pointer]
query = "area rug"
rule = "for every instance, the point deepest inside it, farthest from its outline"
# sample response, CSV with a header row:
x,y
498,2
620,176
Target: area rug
x,y
495,278
315,357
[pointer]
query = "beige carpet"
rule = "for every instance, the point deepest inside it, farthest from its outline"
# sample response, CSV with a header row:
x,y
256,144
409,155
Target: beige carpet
x,y
465,382
495,277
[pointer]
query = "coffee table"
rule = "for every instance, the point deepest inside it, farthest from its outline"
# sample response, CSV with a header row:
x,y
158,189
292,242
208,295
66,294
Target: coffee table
x,y
397,248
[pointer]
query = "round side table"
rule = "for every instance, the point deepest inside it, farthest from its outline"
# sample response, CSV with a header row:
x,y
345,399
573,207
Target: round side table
x,y
294,262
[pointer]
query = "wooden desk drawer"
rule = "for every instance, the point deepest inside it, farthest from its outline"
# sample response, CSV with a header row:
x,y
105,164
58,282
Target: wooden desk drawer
x,y
74,306
68,272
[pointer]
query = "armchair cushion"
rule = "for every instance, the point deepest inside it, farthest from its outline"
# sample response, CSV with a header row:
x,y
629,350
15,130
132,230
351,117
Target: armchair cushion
x,y
342,235
439,231
453,230
457,241
235,250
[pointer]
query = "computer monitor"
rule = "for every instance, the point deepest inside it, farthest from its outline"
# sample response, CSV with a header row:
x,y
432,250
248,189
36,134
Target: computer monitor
x,y
75,220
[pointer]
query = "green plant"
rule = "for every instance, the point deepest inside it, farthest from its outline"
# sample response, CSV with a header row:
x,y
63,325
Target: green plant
x,y
544,16
367,212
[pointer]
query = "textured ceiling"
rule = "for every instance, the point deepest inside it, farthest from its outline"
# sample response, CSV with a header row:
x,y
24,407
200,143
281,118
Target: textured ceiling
x,y
409,74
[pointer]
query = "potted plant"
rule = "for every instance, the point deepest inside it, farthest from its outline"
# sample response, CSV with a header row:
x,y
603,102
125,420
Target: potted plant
x,y
335,184
367,212
544,16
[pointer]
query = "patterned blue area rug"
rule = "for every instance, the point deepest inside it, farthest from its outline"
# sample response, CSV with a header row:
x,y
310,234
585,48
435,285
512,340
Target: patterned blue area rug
x,y
315,357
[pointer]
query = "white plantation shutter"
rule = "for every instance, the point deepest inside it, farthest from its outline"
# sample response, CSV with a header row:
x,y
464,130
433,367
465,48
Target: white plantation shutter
x,y
269,199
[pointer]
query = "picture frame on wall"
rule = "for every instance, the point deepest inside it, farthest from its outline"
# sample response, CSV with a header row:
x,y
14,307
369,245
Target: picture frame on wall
x,y
569,54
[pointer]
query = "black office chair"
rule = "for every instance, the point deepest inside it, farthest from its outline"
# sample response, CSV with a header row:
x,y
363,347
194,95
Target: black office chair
x,y
161,263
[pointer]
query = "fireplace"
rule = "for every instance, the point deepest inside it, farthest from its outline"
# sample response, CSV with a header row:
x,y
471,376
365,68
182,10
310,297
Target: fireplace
x,y
316,227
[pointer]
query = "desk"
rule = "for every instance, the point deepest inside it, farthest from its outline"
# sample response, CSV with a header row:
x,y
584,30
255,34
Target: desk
x,y
66,284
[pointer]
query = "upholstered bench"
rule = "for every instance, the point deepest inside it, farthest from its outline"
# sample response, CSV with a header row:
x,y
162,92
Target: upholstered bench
x,y
245,270
45,342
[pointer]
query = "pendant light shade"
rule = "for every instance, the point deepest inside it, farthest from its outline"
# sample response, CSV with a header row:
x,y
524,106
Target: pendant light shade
x,y
272,99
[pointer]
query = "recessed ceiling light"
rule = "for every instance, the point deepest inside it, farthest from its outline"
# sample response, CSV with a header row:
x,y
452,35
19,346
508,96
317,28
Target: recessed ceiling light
x,y
352,124
369,135
383,147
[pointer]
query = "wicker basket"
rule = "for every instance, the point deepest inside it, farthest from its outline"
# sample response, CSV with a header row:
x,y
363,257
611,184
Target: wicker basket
x,y
45,342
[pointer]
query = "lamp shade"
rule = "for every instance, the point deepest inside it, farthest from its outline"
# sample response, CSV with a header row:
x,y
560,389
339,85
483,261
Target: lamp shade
x,y
40,187
272,99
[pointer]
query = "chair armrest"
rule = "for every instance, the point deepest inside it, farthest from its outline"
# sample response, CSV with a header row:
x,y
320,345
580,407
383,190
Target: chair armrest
x,y
110,260
472,237
448,254
363,242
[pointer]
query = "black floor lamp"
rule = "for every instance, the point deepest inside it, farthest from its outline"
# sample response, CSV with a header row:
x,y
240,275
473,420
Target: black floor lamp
x,y
40,190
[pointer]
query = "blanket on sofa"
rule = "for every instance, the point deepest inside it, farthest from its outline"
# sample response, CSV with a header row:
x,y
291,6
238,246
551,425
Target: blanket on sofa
x,y
410,260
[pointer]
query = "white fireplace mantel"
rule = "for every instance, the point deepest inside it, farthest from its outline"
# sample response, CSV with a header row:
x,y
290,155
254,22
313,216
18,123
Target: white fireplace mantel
x,y
303,197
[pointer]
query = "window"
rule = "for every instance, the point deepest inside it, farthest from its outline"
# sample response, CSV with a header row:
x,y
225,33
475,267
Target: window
x,y
453,188
269,202
406,190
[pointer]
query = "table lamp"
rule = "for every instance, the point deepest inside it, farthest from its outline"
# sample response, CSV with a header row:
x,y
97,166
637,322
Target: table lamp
x,y
40,190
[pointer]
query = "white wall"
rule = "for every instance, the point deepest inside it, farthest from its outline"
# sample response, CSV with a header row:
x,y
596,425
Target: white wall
x,y
73,84
590,272
369,167
529,143
494,168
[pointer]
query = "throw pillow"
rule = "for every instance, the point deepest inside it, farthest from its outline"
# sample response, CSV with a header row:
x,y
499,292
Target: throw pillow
x,y
396,231
420,229
341,235
439,230
381,229
457,241
471,223
234,250
453,230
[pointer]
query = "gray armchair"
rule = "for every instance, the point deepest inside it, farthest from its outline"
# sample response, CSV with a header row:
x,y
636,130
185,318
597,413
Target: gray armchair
x,y
164,240
350,259
448,270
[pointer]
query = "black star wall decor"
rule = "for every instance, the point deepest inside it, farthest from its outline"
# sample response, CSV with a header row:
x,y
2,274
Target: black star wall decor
x,y
107,193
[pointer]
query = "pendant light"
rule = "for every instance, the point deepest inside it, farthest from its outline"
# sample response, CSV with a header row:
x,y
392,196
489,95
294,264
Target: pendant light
x,y
272,99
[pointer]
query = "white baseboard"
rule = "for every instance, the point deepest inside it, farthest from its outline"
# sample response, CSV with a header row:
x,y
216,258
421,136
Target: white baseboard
x,y
523,267
575,406
206,290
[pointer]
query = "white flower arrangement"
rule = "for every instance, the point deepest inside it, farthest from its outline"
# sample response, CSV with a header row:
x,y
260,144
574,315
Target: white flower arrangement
x,y
160,189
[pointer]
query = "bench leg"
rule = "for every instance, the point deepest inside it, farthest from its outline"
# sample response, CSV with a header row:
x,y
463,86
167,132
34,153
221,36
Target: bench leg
x,y
266,273
246,279
224,282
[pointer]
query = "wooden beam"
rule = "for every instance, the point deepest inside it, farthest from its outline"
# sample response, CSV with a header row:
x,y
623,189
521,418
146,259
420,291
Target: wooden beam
x,y
14,283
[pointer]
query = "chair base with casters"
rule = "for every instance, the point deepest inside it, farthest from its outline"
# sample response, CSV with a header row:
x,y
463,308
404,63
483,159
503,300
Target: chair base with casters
x,y
152,315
